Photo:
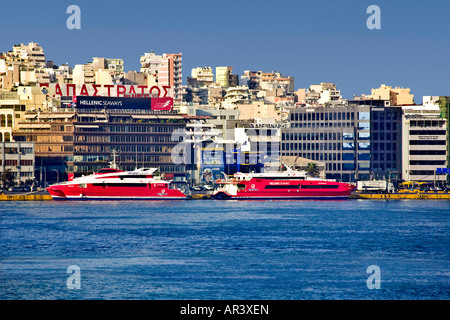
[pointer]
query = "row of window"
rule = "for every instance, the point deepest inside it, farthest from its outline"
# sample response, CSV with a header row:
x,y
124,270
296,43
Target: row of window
x,y
309,186
16,162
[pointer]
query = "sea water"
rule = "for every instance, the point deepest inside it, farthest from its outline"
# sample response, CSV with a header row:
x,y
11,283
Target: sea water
x,y
207,249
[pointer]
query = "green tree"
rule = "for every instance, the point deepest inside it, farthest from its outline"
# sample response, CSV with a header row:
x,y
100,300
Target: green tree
x,y
8,179
312,169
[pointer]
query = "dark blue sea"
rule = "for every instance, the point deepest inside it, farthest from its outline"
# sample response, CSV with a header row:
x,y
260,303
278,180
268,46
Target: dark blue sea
x,y
206,249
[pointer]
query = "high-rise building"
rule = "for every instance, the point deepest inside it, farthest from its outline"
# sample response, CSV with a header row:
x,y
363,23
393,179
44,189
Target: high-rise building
x,y
424,142
223,76
170,74
164,70
356,142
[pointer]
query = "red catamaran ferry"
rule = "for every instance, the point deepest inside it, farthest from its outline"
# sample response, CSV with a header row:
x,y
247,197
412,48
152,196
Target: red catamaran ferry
x,y
113,184
286,185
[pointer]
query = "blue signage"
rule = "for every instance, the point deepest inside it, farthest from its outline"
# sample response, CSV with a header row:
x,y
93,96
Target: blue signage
x,y
442,170
86,102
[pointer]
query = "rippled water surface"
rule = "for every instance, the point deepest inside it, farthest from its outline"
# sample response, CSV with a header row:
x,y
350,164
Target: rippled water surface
x,y
205,249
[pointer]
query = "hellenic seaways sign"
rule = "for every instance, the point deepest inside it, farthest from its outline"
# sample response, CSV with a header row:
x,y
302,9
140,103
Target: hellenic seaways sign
x,y
89,102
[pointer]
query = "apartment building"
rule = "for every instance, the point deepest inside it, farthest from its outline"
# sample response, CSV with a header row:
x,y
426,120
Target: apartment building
x,y
225,77
201,77
324,93
397,96
164,70
23,65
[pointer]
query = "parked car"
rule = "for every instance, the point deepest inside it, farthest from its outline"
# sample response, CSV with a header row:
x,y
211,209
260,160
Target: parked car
x,y
16,189
208,187
196,188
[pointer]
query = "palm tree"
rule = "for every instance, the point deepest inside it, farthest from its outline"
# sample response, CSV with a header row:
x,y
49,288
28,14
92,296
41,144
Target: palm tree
x,y
312,169
7,178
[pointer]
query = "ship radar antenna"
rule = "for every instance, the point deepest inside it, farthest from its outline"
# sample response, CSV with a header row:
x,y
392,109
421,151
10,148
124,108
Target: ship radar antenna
x,y
113,164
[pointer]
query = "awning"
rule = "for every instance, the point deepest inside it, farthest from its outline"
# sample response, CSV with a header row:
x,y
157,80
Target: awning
x,y
89,126
144,116
55,116
34,126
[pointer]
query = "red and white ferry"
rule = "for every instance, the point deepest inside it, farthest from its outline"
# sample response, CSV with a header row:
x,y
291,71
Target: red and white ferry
x,y
114,184
289,184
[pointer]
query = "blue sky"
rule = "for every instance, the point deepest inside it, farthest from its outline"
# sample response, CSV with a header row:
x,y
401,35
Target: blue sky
x,y
313,41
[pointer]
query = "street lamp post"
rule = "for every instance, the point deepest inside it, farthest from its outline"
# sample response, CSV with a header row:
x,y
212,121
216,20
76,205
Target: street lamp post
x,y
57,175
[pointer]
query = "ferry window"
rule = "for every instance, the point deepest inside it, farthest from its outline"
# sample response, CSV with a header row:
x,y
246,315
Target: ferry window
x,y
318,186
296,186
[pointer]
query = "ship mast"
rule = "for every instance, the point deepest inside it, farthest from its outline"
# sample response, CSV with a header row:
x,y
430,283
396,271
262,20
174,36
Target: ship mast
x,y
113,163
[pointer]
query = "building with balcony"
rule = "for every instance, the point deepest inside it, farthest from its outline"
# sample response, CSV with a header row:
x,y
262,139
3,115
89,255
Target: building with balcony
x,y
19,158
324,94
397,96
201,77
164,70
225,77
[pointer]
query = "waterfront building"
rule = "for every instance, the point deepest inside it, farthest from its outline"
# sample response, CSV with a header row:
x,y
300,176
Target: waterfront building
x,y
356,142
19,158
81,140
424,142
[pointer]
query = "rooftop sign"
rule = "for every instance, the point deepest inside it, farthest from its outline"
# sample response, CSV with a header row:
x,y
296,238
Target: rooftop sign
x,y
106,90
83,102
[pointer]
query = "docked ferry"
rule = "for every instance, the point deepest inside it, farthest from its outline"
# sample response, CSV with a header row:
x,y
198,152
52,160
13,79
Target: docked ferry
x,y
114,184
286,185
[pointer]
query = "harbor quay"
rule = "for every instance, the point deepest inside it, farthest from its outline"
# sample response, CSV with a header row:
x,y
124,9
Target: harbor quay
x,y
207,196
